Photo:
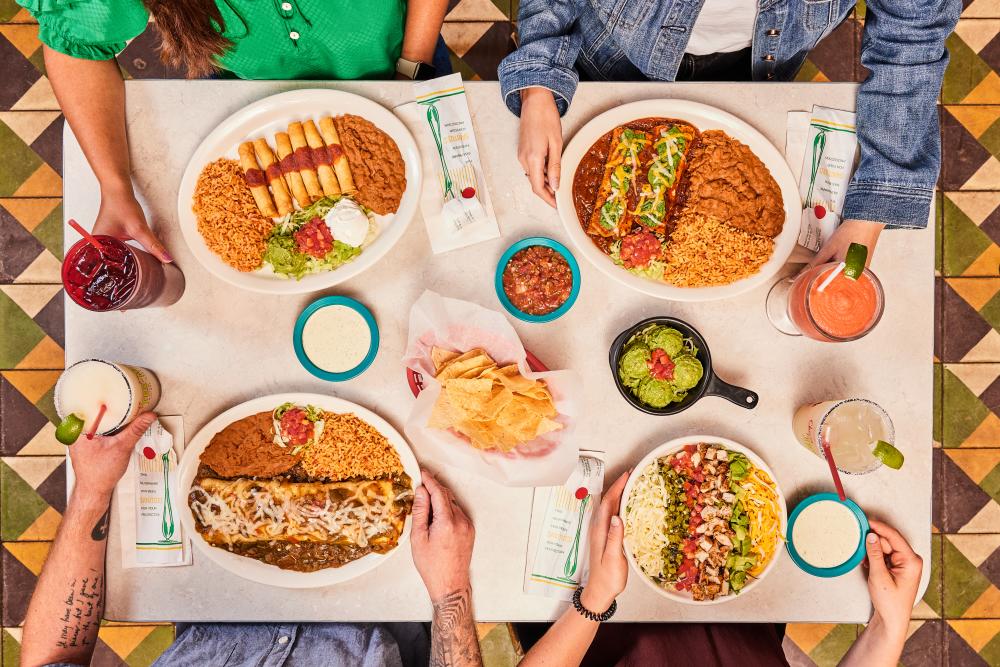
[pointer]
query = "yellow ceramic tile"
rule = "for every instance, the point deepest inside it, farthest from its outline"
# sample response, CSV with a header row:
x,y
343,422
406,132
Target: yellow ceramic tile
x,y
976,463
47,354
986,434
30,212
808,635
23,37
976,634
122,639
31,555
975,118
976,291
32,384
986,605
45,182
986,91
43,528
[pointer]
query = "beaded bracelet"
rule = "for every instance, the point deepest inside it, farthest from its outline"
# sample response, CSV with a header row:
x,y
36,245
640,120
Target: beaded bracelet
x,y
586,613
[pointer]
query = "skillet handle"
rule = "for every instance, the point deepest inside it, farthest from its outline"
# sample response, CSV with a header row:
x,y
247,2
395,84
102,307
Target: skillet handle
x,y
738,395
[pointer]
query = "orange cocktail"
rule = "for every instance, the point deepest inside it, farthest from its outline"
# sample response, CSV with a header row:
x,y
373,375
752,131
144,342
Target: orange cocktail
x,y
838,309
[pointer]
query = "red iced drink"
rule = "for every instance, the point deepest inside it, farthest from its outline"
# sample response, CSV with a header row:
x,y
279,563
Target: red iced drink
x,y
118,277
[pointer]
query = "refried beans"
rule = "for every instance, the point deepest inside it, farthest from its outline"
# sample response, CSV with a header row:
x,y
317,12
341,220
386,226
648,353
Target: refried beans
x,y
246,448
729,183
376,163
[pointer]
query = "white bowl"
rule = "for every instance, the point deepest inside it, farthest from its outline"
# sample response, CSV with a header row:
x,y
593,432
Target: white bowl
x,y
259,571
264,118
676,445
704,117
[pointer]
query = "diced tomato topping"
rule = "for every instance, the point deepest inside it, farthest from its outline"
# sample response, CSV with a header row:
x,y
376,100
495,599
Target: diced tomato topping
x,y
296,429
314,238
690,449
640,249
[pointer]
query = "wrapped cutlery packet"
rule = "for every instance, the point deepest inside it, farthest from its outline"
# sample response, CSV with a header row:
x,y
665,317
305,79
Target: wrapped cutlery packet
x,y
455,202
148,507
561,558
826,146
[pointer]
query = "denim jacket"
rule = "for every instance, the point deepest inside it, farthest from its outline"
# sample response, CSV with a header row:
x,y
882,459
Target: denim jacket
x,y
903,47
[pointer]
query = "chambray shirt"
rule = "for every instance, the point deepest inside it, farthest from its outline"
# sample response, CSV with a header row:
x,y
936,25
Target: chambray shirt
x,y
295,645
903,47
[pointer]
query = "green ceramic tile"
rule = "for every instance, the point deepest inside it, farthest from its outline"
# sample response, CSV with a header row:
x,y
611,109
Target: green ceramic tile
x,y
10,650
991,311
497,649
938,372
933,596
831,650
50,231
19,161
938,231
38,60
965,71
991,484
20,505
46,405
963,411
150,648
964,241
19,334
990,139
991,652
963,582
8,8
807,72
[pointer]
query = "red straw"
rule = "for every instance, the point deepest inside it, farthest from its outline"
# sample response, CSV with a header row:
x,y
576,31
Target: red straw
x,y
832,464
91,239
97,422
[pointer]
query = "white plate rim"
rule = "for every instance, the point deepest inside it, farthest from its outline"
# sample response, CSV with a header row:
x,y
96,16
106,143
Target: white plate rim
x,y
260,572
704,117
285,107
673,446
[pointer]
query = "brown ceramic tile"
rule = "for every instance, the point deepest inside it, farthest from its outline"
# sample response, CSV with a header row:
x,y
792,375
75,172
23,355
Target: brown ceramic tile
x,y
963,328
18,248
923,647
962,499
962,153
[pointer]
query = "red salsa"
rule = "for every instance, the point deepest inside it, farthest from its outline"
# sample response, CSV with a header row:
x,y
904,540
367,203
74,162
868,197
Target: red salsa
x,y
537,280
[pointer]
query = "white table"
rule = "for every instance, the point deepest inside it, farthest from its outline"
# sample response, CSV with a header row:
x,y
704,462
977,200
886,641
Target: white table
x,y
220,346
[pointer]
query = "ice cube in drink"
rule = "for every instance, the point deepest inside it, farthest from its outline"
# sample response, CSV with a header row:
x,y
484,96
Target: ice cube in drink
x,y
118,276
126,391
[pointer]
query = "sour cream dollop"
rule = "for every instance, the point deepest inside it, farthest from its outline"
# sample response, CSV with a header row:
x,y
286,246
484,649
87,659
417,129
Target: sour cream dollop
x,y
348,223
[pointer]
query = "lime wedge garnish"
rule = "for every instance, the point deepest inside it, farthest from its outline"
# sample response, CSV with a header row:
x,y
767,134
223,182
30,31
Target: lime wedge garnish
x,y
888,455
855,260
69,429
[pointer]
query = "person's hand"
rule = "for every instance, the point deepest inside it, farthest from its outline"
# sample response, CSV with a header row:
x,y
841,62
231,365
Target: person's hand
x,y
539,146
441,540
608,567
893,576
98,464
121,216
850,231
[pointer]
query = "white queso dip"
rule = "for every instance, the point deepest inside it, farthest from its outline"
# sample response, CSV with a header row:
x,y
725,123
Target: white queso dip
x,y
336,338
826,534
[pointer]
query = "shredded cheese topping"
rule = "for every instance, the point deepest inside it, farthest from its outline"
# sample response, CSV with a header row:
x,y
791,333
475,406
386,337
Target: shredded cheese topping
x,y
247,510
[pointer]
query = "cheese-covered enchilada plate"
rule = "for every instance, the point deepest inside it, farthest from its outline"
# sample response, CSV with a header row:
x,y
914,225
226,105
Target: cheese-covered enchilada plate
x,y
299,191
297,490
679,200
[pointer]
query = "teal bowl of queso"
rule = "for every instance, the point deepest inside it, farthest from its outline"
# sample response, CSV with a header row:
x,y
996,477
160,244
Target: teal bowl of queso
x,y
826,535
336,338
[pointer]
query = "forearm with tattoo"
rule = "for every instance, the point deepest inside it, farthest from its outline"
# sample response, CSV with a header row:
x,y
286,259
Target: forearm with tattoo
x,y
66,608
453,632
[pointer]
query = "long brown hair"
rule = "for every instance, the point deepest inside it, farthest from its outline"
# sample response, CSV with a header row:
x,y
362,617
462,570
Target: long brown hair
x,y
190,33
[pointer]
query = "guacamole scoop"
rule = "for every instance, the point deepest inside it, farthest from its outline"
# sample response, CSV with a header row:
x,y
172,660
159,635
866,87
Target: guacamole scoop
x,y
659,365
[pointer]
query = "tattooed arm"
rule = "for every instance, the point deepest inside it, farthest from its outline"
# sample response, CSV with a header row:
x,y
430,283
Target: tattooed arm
x,y
442,542
66,608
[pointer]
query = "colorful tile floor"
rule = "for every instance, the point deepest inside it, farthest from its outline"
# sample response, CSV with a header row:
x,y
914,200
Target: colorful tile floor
x,y
957,622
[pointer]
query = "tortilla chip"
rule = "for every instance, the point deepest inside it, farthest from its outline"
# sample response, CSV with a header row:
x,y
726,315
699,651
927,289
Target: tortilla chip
x,y
441,356
494,408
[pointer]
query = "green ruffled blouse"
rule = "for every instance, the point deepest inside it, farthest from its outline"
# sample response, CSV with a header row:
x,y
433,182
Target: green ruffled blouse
x,y
272,39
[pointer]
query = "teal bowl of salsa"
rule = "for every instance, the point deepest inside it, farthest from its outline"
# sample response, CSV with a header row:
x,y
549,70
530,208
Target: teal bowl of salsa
x,y
537,279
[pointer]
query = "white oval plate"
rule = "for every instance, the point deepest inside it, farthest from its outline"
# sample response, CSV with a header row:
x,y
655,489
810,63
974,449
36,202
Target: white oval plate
x,y
676,445
704,117
258,571
264,118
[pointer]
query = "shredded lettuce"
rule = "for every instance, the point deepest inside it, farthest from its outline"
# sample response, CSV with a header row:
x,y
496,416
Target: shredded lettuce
x,y
652,271
282,251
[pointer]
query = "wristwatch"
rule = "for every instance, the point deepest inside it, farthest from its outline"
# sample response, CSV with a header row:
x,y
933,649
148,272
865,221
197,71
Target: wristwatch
x,y
415,70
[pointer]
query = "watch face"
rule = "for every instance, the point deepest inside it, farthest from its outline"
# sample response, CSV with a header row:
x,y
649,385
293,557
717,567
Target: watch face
x,y
425,71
